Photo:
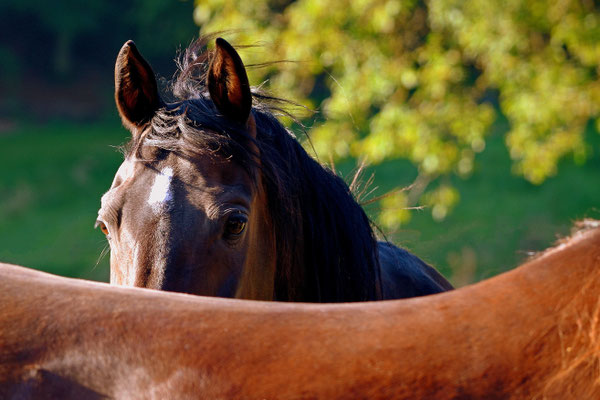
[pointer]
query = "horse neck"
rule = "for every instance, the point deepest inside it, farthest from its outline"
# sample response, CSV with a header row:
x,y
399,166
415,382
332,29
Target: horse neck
x,y
258,276
569,294
533,332
530,333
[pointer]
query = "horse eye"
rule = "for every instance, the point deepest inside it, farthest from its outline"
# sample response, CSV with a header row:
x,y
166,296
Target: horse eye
x,y
235,225
102,227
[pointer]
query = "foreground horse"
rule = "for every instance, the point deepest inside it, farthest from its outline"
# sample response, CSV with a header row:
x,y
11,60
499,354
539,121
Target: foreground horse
x,y
216,197
532,333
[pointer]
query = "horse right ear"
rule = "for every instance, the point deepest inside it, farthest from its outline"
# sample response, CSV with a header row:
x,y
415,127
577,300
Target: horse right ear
x,y
136,91
228,85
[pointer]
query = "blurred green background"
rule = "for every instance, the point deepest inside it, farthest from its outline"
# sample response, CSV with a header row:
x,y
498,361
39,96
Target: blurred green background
x,y
484,111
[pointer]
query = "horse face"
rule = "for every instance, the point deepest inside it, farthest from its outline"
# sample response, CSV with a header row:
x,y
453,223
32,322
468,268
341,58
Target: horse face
x,y
183,223
179,224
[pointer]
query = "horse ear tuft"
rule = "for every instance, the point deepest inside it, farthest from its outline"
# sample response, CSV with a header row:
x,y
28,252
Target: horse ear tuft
x,y
136,91
228,83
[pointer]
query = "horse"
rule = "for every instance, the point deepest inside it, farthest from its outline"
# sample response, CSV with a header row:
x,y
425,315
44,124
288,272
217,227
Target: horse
x,y
215,197
531,333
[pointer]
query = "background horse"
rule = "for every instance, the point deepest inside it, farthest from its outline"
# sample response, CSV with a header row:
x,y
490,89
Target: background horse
x,y
216,197
530,333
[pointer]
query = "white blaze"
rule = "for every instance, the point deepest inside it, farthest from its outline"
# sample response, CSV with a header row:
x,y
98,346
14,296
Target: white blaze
x,y
161,193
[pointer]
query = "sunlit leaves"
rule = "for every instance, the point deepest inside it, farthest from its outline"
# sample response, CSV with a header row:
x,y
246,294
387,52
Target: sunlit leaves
x,y
441,200
394,210
543,57
407,79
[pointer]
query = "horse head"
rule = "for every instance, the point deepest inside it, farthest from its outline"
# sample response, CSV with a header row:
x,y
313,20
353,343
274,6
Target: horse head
x,y
216,197
184,217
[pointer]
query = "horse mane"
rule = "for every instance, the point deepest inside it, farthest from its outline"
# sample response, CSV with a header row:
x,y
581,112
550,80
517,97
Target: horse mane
x,y
325,247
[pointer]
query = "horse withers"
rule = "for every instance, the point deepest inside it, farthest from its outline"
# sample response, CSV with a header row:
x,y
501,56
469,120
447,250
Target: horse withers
x,y
531,333
215,197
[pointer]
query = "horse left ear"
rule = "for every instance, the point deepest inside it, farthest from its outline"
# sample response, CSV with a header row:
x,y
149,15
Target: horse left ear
x,y
136,91
228,84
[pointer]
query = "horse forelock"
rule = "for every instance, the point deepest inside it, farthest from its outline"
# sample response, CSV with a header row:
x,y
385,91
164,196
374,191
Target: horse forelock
x,y
325,247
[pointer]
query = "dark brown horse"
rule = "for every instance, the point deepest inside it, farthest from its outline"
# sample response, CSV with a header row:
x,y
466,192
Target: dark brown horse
x,y
532,333
216,197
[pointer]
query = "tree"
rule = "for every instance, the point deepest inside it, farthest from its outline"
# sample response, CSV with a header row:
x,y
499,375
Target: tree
x,y
425,80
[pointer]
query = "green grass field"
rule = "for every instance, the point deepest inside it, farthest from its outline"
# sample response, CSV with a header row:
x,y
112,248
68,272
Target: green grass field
x,y
54,174
52,178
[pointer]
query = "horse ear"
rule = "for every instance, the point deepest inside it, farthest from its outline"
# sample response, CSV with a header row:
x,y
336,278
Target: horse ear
x,y
228,83
136,92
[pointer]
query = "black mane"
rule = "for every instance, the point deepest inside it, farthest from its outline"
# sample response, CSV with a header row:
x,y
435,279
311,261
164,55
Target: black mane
x,y
326,249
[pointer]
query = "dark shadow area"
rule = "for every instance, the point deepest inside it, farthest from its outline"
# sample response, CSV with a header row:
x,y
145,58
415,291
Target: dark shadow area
x,y
58,57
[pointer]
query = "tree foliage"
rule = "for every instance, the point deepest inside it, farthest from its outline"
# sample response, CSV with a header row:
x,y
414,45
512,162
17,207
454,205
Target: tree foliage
x,y
425,80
